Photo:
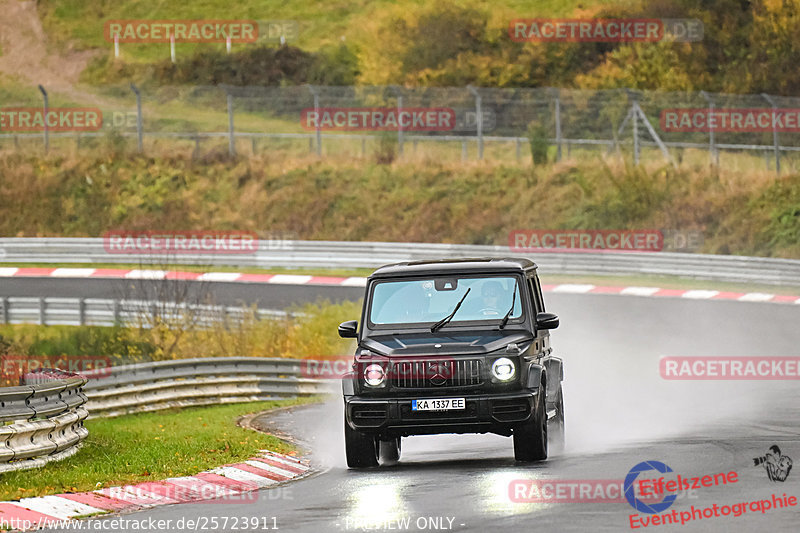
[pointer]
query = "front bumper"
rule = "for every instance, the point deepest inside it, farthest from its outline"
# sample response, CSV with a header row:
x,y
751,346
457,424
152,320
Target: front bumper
x,y
483,413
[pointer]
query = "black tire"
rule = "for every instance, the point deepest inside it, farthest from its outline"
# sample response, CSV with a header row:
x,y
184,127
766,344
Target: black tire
x,y
530,438
361,449
557,427
389,451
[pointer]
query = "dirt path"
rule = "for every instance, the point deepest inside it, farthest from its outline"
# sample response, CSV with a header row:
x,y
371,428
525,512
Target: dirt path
x,y
25,53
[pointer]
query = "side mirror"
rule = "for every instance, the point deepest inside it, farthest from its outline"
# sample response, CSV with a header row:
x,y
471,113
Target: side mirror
x,y
349,329
546,321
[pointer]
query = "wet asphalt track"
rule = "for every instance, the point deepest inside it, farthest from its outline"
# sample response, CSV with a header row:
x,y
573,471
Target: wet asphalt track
x,y
619,412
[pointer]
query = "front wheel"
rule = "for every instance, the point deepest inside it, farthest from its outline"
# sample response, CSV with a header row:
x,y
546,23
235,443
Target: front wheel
x,y
530,438
361,449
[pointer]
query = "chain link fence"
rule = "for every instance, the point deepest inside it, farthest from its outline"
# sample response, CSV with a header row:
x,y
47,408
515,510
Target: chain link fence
x,y
470,123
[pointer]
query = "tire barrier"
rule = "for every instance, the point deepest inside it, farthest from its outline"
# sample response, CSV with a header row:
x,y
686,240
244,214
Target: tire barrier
x,y
42,419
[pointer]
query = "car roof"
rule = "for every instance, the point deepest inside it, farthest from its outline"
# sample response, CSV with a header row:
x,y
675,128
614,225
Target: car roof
x,y
455,266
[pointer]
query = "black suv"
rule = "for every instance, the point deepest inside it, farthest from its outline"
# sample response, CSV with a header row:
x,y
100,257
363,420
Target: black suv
x,y
452,346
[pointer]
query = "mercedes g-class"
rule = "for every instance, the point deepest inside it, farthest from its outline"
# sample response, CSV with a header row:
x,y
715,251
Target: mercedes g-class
x,y
452,346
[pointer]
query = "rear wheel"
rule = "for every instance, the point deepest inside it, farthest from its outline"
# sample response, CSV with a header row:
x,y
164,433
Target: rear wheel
x,y
557,438
389,450
361,449
530,438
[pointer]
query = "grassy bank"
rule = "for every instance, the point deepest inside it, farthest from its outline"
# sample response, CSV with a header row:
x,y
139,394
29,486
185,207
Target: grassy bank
x,y
739,212
150,447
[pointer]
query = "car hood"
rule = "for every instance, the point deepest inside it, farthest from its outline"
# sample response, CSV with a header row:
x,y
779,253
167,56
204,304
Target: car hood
x,y
474,343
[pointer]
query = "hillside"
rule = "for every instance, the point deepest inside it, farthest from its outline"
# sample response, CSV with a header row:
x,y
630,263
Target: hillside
x,y
339,199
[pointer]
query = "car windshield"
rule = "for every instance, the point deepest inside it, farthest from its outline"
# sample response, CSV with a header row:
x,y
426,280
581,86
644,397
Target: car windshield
x,y
429,300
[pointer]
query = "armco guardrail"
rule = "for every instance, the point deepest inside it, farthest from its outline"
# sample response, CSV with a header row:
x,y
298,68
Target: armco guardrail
x,y
104,312
131,389
203,381
46,418
326,254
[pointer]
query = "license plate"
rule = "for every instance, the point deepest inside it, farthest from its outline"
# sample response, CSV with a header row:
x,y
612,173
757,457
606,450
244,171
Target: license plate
x,y
438,404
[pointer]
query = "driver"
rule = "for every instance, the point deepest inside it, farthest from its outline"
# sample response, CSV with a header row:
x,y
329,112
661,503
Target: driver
x,y
490,292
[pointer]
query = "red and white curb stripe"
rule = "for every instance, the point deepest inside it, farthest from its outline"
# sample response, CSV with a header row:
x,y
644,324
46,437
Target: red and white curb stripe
x,y
294,279
689,294
227,481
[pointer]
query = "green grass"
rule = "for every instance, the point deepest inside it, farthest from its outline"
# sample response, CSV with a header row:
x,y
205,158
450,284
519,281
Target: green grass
x,y
150,447
320,23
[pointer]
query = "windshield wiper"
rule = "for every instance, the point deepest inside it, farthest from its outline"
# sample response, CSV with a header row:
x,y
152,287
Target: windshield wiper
x,y
449,317
513,302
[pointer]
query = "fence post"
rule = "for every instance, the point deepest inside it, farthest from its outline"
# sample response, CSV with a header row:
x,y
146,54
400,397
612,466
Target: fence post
x,y
775,142
4,309
712,146
396,91
479,118
231,137
46,132
558,125
315,92
139,132
635,135
172,48
42,307
81,311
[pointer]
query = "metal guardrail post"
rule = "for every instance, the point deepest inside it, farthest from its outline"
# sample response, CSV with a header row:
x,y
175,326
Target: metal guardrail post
x,y
81,312
46,129
139,132
479,118
4,309
42,311
775,142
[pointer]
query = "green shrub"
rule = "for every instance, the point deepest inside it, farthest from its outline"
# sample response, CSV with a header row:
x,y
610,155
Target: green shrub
x,y
539,141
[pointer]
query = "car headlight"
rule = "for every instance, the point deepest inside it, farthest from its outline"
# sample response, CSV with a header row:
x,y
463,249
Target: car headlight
x,y
374,375
503,369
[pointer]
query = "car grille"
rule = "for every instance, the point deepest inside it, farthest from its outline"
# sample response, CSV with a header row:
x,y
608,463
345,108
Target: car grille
x,y
436,373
